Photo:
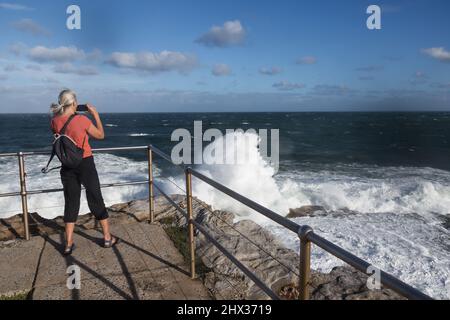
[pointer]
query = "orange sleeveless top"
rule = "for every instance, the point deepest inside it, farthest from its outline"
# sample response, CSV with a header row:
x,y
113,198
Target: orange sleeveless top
x,y
76,130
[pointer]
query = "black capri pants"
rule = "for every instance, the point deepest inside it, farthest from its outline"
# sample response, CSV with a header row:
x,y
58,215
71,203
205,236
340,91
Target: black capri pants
x,y
72,179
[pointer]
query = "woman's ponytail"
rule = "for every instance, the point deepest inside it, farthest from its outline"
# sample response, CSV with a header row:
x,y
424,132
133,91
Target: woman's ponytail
x,y
56,109
66,98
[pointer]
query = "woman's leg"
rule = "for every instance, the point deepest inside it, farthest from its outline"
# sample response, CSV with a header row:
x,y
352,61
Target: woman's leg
x,y
72,193
69,234
105,228
90,180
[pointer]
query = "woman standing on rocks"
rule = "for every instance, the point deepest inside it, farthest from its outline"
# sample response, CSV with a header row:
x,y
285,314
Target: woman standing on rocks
x,y
79,128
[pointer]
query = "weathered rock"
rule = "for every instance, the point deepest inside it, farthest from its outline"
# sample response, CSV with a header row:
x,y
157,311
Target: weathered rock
x,y
251,245
446,221
346,283
304,211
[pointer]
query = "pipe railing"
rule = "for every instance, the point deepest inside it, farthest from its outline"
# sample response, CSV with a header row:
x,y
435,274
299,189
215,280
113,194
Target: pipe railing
x,y
305,233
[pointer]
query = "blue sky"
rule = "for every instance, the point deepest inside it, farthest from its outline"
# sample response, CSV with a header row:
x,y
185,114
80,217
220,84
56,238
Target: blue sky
x,y
226,55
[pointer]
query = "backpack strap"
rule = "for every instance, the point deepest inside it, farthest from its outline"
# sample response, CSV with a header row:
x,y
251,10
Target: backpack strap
x,y
61,132
46,169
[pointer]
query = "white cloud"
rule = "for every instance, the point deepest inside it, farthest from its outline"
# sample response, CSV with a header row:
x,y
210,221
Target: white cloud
x,y
31,27
307,60
270,71
288,86
153,62
60,54
69,68
230,34
220,70
438,53
14,6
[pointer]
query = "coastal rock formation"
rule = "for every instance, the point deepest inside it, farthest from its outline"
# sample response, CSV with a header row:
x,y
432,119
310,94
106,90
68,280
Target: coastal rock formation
x,y
252,245
305,211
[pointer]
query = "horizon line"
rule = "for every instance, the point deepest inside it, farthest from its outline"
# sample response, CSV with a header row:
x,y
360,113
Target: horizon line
x,y
215,112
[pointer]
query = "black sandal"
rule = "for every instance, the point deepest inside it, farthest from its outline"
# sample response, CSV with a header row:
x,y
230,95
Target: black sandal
x,y
69,249
111,243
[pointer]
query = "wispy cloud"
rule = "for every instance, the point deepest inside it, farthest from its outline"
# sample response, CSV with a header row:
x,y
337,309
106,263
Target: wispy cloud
x,y
389,8
288,86
232,33
68,68
153,62
220,70
438,53
392,58
31,27
331,90
14,6
373,68
307,60
59,54
445,86
420,75
270,71
33,67
418,78
11,68
17,48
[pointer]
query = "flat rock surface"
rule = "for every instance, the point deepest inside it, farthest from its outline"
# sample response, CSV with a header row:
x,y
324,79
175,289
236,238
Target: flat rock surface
x,y
144,265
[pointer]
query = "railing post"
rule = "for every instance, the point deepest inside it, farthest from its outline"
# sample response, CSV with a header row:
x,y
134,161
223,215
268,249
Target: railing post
x,y
305,262
190,219
151,199
23,195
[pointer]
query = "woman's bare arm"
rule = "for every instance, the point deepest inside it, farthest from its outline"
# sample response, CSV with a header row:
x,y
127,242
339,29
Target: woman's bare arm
x,y
96,131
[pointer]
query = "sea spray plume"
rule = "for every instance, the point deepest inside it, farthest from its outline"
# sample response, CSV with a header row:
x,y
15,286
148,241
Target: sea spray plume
x,y
253,178
223,151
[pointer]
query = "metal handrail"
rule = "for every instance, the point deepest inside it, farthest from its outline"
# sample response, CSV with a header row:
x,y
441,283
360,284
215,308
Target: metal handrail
x,y
47,152
305,233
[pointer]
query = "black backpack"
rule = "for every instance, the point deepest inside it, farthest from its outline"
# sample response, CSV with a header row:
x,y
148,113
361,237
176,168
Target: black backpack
x,y
65,149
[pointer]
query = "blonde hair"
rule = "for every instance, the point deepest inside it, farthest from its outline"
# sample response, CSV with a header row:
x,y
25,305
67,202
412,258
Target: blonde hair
x,y
65,99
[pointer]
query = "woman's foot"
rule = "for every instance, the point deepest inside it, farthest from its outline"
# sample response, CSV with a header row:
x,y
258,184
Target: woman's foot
x,y
69,249
111,242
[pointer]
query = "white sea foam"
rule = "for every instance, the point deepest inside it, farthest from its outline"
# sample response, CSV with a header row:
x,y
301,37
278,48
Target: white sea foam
x,y
139,135
111,125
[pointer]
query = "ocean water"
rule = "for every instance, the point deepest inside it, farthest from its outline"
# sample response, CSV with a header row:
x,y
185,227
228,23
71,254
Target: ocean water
x,y
383,179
